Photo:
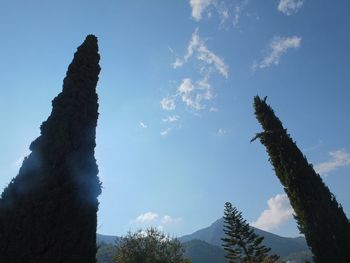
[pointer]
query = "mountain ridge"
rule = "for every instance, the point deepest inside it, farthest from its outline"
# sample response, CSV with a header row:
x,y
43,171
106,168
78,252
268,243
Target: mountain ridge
x,y
204,245
282,246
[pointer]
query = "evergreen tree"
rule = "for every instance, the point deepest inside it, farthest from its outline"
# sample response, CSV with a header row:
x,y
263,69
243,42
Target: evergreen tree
x,y
48,211
318,214
241,243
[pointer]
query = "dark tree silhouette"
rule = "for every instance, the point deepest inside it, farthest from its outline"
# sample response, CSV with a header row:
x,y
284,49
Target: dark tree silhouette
x,y
240,242
318,214
48,211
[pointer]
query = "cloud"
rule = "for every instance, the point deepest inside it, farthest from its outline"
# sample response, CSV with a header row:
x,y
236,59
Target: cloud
x,y
198,7
237,10
278,212
193,94
204,54
213,109
147,217
339,159
191,48
224,15
185,89
142,125
224,9
170,49
278,46
167,220
168,103
178,63
222,132
171,119
197,47
313,147
155,220
290,7
165,132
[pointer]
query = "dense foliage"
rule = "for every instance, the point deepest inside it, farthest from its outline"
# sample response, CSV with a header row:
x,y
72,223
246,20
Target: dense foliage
x,y
48,211
318,214
150,246
200,251
105,253
240,242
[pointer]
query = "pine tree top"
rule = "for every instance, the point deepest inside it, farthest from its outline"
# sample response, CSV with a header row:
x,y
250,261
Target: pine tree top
x,y
240,242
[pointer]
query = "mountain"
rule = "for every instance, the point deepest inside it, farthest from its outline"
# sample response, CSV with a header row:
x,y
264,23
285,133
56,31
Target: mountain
x,y
286,247
106,248
201,252
105,253
204,245
107,239
282,246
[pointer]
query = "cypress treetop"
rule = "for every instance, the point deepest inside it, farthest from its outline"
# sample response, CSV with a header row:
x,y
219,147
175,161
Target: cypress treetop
x,y
48,211
318,214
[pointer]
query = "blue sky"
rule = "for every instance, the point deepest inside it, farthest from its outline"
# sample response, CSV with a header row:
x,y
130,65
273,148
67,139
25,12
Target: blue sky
x,y
175,91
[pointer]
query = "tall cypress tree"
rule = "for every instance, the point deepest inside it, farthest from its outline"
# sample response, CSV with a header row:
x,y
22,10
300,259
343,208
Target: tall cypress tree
x,y
48,211
318,214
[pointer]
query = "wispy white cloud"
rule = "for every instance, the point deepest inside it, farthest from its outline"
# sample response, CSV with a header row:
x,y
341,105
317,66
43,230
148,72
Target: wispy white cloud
x,y
290,7
222,132
168,103
224,15
205,55
154,219
191,48
278,46
313,147
165,132
147,217
339,158
171,119
237,11
167,220
223,8
178,63
213,109
198,7
278,212
193,94
143,125
170,49
197,47
185,89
